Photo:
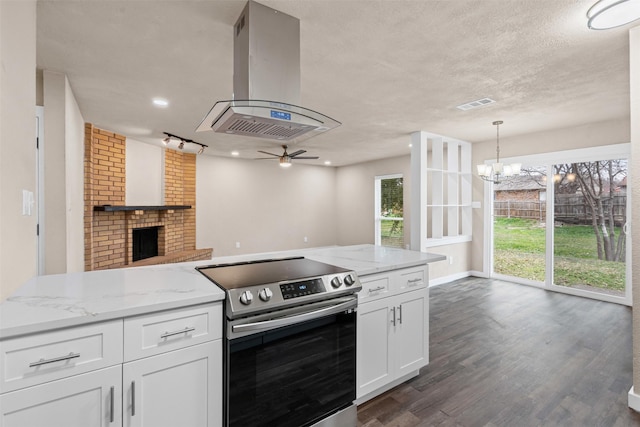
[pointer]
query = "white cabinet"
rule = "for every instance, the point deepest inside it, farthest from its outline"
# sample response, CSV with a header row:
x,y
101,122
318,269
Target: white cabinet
x,y
393,330
160,369
180,383
181,387
87,400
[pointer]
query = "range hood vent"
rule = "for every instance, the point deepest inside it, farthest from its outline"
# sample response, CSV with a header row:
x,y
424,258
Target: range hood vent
x,y
266,82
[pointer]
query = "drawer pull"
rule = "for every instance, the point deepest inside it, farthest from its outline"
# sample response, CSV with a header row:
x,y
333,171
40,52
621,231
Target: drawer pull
x,y
414,282
55,359
379,288
181,331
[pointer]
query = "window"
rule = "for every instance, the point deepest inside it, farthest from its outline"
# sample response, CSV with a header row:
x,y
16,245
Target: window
x,y
389,219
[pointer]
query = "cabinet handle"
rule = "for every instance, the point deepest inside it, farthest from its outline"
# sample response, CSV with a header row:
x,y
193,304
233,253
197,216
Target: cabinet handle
x,y
379,288
133,398
111,401
393,318
400,314
55,359
414,282
181,331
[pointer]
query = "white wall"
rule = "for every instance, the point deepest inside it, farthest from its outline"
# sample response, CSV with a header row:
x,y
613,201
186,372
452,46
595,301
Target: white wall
x,y
17,142
263,206
74,181
355,198
144,174
63,151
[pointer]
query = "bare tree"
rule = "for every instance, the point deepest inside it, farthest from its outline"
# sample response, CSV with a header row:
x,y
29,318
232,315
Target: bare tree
x,y
597,181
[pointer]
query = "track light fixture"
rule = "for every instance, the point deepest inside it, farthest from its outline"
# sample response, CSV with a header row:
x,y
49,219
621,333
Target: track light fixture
x,y
182,140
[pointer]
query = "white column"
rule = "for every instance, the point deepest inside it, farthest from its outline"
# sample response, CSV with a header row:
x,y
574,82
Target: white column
x,y
634,173
419,191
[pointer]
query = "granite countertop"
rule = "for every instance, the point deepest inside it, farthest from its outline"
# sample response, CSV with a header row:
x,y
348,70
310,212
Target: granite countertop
x,y
65,300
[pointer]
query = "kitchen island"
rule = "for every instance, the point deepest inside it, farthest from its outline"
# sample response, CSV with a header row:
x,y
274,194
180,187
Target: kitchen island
x,y
69,340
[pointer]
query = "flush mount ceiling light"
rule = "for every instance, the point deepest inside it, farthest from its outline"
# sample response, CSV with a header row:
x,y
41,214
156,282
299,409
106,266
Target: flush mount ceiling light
x,y
182,140
606,14
496,172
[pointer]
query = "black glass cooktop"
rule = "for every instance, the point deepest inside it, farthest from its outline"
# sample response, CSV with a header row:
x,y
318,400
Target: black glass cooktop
x,y
252,273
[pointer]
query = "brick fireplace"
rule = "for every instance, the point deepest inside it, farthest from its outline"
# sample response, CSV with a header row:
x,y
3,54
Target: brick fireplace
x,y
109,223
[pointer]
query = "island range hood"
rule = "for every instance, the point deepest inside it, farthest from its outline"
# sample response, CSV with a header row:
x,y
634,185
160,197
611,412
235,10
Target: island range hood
x,y
266,82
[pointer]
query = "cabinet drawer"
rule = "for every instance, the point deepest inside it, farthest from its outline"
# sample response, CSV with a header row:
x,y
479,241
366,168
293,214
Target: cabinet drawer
x,y
170,330
374,286
35,359
410,279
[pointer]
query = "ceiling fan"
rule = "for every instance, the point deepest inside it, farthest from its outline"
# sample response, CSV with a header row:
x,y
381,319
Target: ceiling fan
x,y
285,158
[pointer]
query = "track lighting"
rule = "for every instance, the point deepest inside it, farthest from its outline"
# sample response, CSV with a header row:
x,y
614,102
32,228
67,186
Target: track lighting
x,y
182,140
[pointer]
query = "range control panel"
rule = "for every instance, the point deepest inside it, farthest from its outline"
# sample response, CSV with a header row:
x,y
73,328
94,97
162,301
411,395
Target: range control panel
x,y
274,296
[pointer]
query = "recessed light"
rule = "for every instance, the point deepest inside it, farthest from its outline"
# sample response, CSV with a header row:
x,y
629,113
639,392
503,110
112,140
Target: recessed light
x,y
160,102
327,162
410,145
235,153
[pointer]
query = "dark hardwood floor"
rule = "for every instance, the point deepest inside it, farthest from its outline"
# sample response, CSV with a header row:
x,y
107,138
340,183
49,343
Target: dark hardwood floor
x,y
503,354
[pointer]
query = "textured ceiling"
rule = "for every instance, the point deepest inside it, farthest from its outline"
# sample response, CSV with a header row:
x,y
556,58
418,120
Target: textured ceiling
x,y
384,68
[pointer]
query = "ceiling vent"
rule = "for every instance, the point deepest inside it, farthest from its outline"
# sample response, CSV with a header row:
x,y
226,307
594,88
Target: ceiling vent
x,y
475,104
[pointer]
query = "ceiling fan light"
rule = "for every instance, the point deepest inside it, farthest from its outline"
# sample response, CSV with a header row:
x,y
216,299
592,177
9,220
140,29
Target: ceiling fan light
x,y
285,163
606,14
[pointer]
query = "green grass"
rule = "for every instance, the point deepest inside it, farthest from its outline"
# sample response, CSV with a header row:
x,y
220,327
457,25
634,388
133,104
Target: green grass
x,y
519,249
392,233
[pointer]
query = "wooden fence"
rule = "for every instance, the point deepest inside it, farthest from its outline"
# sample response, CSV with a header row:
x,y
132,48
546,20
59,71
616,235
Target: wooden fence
x,y
568,208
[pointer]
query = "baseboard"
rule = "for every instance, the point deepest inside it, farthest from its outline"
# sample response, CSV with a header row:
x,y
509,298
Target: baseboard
x,y
448,279
480,274
633,400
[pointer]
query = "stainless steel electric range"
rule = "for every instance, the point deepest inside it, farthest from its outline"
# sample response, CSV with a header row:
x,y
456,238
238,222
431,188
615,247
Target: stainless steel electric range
x,y
290,342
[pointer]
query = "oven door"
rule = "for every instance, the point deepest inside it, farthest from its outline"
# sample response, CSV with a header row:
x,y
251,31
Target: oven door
x,y
294,369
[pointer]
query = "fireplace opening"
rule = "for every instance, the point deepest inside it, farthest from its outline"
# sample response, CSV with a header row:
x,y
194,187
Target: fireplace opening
x,y
145,243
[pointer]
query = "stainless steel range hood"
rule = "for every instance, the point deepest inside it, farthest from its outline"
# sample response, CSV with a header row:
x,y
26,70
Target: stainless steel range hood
x,y
266,82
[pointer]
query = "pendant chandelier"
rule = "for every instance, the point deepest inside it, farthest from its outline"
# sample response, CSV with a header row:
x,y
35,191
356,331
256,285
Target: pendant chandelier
x,y
497,172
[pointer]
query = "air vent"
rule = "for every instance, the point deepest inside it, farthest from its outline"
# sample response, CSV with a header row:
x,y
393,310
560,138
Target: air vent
x,y
475,104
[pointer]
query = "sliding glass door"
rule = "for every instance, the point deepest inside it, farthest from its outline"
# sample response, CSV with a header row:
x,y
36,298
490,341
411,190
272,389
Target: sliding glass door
x,y
519,209
589,233
562,224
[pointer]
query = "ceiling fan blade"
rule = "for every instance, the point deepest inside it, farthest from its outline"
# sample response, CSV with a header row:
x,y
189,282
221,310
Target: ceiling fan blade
x,y
297,153
306,158
266,152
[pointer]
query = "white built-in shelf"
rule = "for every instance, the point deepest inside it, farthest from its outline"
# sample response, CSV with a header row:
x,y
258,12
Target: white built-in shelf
x,y
442,168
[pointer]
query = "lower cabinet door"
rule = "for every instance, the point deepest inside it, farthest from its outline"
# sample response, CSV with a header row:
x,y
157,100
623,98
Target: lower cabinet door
x,y
411,332
178,388
374,368
87,400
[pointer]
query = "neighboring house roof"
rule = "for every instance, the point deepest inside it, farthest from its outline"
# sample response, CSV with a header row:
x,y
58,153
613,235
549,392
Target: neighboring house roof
x,y
519,183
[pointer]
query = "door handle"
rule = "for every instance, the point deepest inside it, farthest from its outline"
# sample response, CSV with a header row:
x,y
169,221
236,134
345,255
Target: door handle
x,y
393,318
400,314
133,398
111,403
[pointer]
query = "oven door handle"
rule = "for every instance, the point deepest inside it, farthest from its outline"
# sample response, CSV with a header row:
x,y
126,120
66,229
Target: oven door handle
x,y
291,320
